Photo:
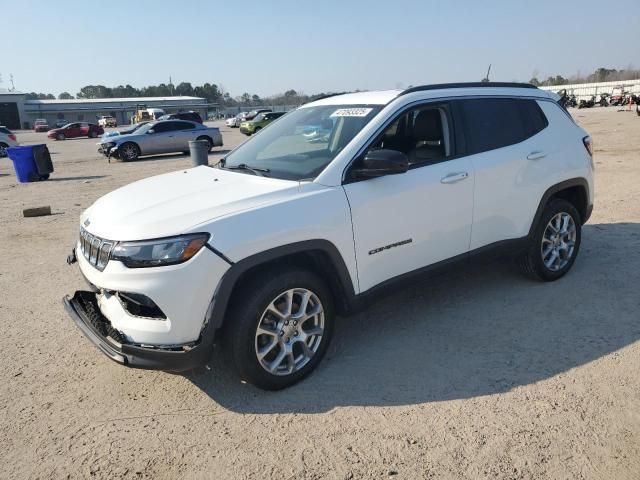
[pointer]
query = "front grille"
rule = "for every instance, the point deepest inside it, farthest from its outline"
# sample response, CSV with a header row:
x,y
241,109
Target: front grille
x,y
95,249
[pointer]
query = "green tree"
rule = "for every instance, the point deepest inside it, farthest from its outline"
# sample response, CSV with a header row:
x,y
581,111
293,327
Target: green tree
x,y
65,96
185,89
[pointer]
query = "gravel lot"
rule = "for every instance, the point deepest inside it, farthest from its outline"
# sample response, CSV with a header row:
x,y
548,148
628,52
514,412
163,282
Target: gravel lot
x,y
479,373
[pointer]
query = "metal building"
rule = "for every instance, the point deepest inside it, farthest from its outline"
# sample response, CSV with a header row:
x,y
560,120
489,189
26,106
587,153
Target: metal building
x,y
584,91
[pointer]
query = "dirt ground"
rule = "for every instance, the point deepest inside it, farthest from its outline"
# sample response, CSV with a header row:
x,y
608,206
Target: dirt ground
x,y
479,373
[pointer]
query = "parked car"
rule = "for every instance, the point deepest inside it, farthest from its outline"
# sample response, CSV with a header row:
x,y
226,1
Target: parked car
x,y
125,131
77,129
254,113
235,122
41,125
163,136
107,121
261,253
191,116
7,139
259,122
60,123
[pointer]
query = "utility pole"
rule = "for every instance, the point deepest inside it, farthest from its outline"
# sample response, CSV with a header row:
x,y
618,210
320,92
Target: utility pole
x,y
13,88
170,85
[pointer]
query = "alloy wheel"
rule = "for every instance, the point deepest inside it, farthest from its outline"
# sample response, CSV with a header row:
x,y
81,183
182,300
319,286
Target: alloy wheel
x,y
558,241
289,331
129,152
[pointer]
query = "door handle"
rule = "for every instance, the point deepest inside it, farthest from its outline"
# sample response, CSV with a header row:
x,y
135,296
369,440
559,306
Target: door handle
x,y
536,155
454,177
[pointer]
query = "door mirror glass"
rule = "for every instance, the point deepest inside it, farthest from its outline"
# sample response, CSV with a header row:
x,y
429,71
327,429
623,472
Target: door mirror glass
x,y
151,131
378,163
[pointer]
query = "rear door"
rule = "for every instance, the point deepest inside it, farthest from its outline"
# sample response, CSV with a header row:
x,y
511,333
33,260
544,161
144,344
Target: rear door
x,y
507,142
72,130
185,132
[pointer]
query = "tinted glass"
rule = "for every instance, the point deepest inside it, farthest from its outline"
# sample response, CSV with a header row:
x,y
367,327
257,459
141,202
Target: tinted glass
x,y
185,126
492,123
165,126
5,130
534,119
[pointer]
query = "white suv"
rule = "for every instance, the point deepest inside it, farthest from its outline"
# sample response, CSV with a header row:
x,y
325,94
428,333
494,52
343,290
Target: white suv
x,y
290,229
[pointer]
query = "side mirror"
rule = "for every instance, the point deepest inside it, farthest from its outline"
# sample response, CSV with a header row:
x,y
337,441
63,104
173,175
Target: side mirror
x,y
378,163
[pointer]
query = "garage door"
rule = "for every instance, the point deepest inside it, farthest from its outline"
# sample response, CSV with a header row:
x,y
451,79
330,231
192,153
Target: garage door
x,y
9,115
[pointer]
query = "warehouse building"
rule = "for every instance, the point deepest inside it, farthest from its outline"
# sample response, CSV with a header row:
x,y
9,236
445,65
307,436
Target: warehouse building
x,y
17,112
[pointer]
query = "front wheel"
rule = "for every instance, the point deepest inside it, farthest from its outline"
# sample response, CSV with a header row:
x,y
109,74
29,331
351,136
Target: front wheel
x,y
128,151
282,323
60,136
3,149
555,242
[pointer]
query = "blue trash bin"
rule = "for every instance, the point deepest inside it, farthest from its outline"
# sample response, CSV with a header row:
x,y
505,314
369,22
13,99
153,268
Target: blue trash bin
x,y
24,163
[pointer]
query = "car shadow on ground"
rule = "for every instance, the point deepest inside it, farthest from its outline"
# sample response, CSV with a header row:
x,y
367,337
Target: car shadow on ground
x,y
476,330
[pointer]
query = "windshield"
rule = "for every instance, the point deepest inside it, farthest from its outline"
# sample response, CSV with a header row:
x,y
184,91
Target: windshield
x,y
303,142
146,127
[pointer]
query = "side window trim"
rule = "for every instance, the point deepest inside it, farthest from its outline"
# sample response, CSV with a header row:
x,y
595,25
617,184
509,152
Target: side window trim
x,y
435,102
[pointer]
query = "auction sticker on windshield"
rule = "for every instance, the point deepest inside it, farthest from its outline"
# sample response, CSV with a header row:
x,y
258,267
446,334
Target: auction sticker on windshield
x,y
351,112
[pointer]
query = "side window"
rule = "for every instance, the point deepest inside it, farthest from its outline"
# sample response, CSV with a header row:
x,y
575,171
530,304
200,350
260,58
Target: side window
x,y
533,117
164,127
423,134
492,123
185,126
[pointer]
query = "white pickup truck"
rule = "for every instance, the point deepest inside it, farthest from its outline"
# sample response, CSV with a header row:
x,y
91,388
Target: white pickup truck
x,y
107,121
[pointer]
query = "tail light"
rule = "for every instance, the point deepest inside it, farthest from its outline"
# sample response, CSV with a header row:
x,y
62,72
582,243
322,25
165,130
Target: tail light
x,y
12,136
588,144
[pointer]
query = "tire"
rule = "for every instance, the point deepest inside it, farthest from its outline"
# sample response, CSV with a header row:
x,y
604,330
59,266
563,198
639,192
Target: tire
x,y
536,262
209,141
60,136
3,149
128,151
92,134
282,334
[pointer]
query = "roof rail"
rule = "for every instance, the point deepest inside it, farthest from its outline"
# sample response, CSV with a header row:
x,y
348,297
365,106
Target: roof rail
x,y
442,86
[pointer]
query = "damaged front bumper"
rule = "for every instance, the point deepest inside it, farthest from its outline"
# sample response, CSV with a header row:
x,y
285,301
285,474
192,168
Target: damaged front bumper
x,y
84,310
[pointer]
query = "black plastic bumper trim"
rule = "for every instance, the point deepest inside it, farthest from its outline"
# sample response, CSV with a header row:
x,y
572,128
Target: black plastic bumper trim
x,y
135,356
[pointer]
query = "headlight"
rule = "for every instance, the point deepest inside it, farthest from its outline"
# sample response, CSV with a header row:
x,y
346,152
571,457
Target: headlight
x,y
109,145
163,251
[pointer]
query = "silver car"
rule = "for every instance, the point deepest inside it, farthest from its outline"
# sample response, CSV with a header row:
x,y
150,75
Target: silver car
x,y
164,136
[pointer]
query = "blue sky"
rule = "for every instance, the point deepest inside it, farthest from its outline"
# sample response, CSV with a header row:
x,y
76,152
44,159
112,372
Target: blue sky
x,y
267,47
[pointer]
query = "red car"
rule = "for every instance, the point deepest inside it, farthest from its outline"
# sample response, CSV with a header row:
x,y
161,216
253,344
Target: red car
x,y
40,125
74,130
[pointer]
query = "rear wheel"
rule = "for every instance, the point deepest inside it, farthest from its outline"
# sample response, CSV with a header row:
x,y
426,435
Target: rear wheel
x,y
92,134
282,324
3,149
128,151
555,243
208,140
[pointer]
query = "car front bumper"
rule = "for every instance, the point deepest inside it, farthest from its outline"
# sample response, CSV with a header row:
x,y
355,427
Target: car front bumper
x,y
84,310
183,293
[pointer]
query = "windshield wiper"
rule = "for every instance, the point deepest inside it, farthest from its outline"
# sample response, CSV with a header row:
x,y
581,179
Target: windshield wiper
x,y
243,166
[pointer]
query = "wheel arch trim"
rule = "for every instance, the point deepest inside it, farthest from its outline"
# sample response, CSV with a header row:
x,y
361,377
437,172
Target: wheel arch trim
x,y
218,307
555,189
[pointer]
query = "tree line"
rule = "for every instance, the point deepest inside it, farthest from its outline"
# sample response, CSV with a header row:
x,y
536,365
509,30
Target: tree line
x,y
210,91
599,75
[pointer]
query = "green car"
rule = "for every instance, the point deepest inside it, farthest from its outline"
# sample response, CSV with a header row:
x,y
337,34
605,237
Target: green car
x,y
261,121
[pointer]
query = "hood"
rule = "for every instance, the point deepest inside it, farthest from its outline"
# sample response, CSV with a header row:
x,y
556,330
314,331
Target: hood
x,y
177,202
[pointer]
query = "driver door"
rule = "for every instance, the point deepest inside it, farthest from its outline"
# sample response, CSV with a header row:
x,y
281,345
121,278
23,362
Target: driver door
x,y
407,221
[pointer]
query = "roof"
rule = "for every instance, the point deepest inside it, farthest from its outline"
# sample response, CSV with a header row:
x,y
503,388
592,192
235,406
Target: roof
x,y
382,97
115,100
379,97
4,91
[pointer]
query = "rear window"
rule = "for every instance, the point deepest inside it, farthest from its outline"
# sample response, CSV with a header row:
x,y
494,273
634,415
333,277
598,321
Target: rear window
x,y
5,130
499,122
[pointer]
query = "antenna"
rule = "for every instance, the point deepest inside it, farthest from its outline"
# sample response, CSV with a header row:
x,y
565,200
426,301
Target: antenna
x,y
13,88
486,79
